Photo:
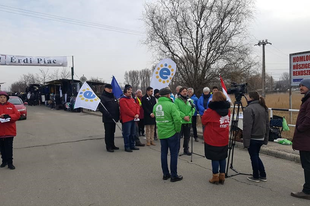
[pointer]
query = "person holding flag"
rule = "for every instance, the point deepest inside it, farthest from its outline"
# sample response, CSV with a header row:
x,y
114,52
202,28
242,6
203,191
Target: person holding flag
x,y
110,115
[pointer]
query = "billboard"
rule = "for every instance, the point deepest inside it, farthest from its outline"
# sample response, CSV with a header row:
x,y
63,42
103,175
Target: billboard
x,y
299,67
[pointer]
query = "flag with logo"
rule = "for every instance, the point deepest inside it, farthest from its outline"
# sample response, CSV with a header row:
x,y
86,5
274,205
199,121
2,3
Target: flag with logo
x,y
163,74
116,89
87,98
225,90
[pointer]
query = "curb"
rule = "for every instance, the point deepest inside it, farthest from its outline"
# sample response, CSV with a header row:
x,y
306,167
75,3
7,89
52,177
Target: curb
x,y
264,149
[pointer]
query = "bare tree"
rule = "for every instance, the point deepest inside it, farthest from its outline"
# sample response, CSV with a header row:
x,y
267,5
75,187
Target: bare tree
x,y
201,36
145,76
64,73
133,78
19,86
43,76
284,83
54,75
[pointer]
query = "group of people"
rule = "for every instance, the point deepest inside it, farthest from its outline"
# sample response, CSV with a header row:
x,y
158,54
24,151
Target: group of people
x,y
174,116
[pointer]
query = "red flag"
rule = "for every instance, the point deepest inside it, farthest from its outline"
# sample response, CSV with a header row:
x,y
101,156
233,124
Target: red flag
x,y
224,89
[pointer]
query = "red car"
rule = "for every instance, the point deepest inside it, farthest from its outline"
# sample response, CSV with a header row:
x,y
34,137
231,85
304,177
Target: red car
x,y
19,104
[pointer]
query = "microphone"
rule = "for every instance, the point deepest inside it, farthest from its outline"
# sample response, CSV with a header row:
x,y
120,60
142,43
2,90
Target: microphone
x,y
191,103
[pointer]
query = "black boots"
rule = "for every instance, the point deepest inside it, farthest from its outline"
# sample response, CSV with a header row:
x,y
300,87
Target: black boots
x,y
10,166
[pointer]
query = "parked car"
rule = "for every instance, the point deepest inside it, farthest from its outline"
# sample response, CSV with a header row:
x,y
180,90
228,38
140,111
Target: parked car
x,y
19,104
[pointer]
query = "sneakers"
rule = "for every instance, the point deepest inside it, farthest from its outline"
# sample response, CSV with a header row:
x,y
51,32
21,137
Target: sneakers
x,y
263,179
301,195
252,179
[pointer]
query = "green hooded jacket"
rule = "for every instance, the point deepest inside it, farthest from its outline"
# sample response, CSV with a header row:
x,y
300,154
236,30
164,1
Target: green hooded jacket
x,y
168,118
185,110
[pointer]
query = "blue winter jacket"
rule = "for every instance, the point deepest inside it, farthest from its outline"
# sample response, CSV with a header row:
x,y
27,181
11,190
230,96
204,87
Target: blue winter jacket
x,y
201,108
195,99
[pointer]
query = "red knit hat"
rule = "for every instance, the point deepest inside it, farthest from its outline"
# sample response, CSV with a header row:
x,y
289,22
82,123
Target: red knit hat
x,y
5,94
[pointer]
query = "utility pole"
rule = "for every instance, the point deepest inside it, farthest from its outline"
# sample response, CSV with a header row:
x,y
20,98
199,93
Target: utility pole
x,y
263,43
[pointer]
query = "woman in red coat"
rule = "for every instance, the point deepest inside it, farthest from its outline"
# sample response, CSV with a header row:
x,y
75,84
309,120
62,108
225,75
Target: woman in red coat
x,y
216,135
8,116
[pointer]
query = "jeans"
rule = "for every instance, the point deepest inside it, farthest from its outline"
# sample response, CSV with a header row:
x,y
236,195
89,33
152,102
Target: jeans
x,y
217,164
109,130
257,164
194,126
173,143
305,162
185,130
129,131
6,148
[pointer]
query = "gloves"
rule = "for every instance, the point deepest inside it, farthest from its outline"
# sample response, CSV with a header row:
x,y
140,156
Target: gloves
x,y
6,116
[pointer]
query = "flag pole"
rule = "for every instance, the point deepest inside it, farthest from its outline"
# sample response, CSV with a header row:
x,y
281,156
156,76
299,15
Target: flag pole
x,y
111,116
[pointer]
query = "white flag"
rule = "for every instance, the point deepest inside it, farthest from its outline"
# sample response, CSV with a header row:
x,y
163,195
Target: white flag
x,y
163,74
86,98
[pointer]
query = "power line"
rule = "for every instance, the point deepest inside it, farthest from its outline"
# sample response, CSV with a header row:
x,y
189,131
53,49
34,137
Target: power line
x,y
40,15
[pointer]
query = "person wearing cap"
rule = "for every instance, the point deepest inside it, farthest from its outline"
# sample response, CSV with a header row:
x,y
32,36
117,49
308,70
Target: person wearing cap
x,y
204,100
9,115
203,103
110,115
156,94
130,112
301,139
168,121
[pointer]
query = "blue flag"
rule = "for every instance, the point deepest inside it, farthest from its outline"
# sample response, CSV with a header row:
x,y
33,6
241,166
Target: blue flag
x,y
117,91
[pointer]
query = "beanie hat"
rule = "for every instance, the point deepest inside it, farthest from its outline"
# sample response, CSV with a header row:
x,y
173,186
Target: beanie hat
x,y
164,91
109,86
156,91
5,94
305,82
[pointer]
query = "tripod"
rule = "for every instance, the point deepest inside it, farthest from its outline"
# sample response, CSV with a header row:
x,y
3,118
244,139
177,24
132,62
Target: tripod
x,y
232,138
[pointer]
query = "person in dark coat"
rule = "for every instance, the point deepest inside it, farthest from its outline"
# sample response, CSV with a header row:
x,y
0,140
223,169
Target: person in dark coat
x,y
255,133
216,135
148,102
301,140
110,115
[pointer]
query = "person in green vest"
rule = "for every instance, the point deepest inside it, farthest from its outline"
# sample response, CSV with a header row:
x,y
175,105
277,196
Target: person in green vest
x,y
187,109
168,122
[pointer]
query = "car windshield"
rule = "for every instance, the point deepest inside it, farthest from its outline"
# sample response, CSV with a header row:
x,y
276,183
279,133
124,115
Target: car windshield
x,y
16,101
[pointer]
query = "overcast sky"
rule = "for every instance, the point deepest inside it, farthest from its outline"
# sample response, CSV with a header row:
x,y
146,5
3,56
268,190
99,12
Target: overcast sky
x,y
102,53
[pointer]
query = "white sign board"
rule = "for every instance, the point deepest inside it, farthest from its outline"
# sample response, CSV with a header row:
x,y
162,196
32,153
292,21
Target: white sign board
x,y
13,60
299,67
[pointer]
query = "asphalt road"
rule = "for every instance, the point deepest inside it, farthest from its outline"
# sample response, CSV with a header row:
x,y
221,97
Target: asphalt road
x,y
60,159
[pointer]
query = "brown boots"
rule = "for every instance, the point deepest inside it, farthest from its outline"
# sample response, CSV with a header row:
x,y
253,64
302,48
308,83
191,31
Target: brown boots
x,y
222,178
218,178
215,179
149,143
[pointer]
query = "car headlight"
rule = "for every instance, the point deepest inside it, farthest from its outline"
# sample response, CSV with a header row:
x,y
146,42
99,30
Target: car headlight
x,y
21,110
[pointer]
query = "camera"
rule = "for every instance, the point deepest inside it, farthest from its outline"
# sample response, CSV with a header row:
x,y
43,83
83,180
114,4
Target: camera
x,y
238,90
